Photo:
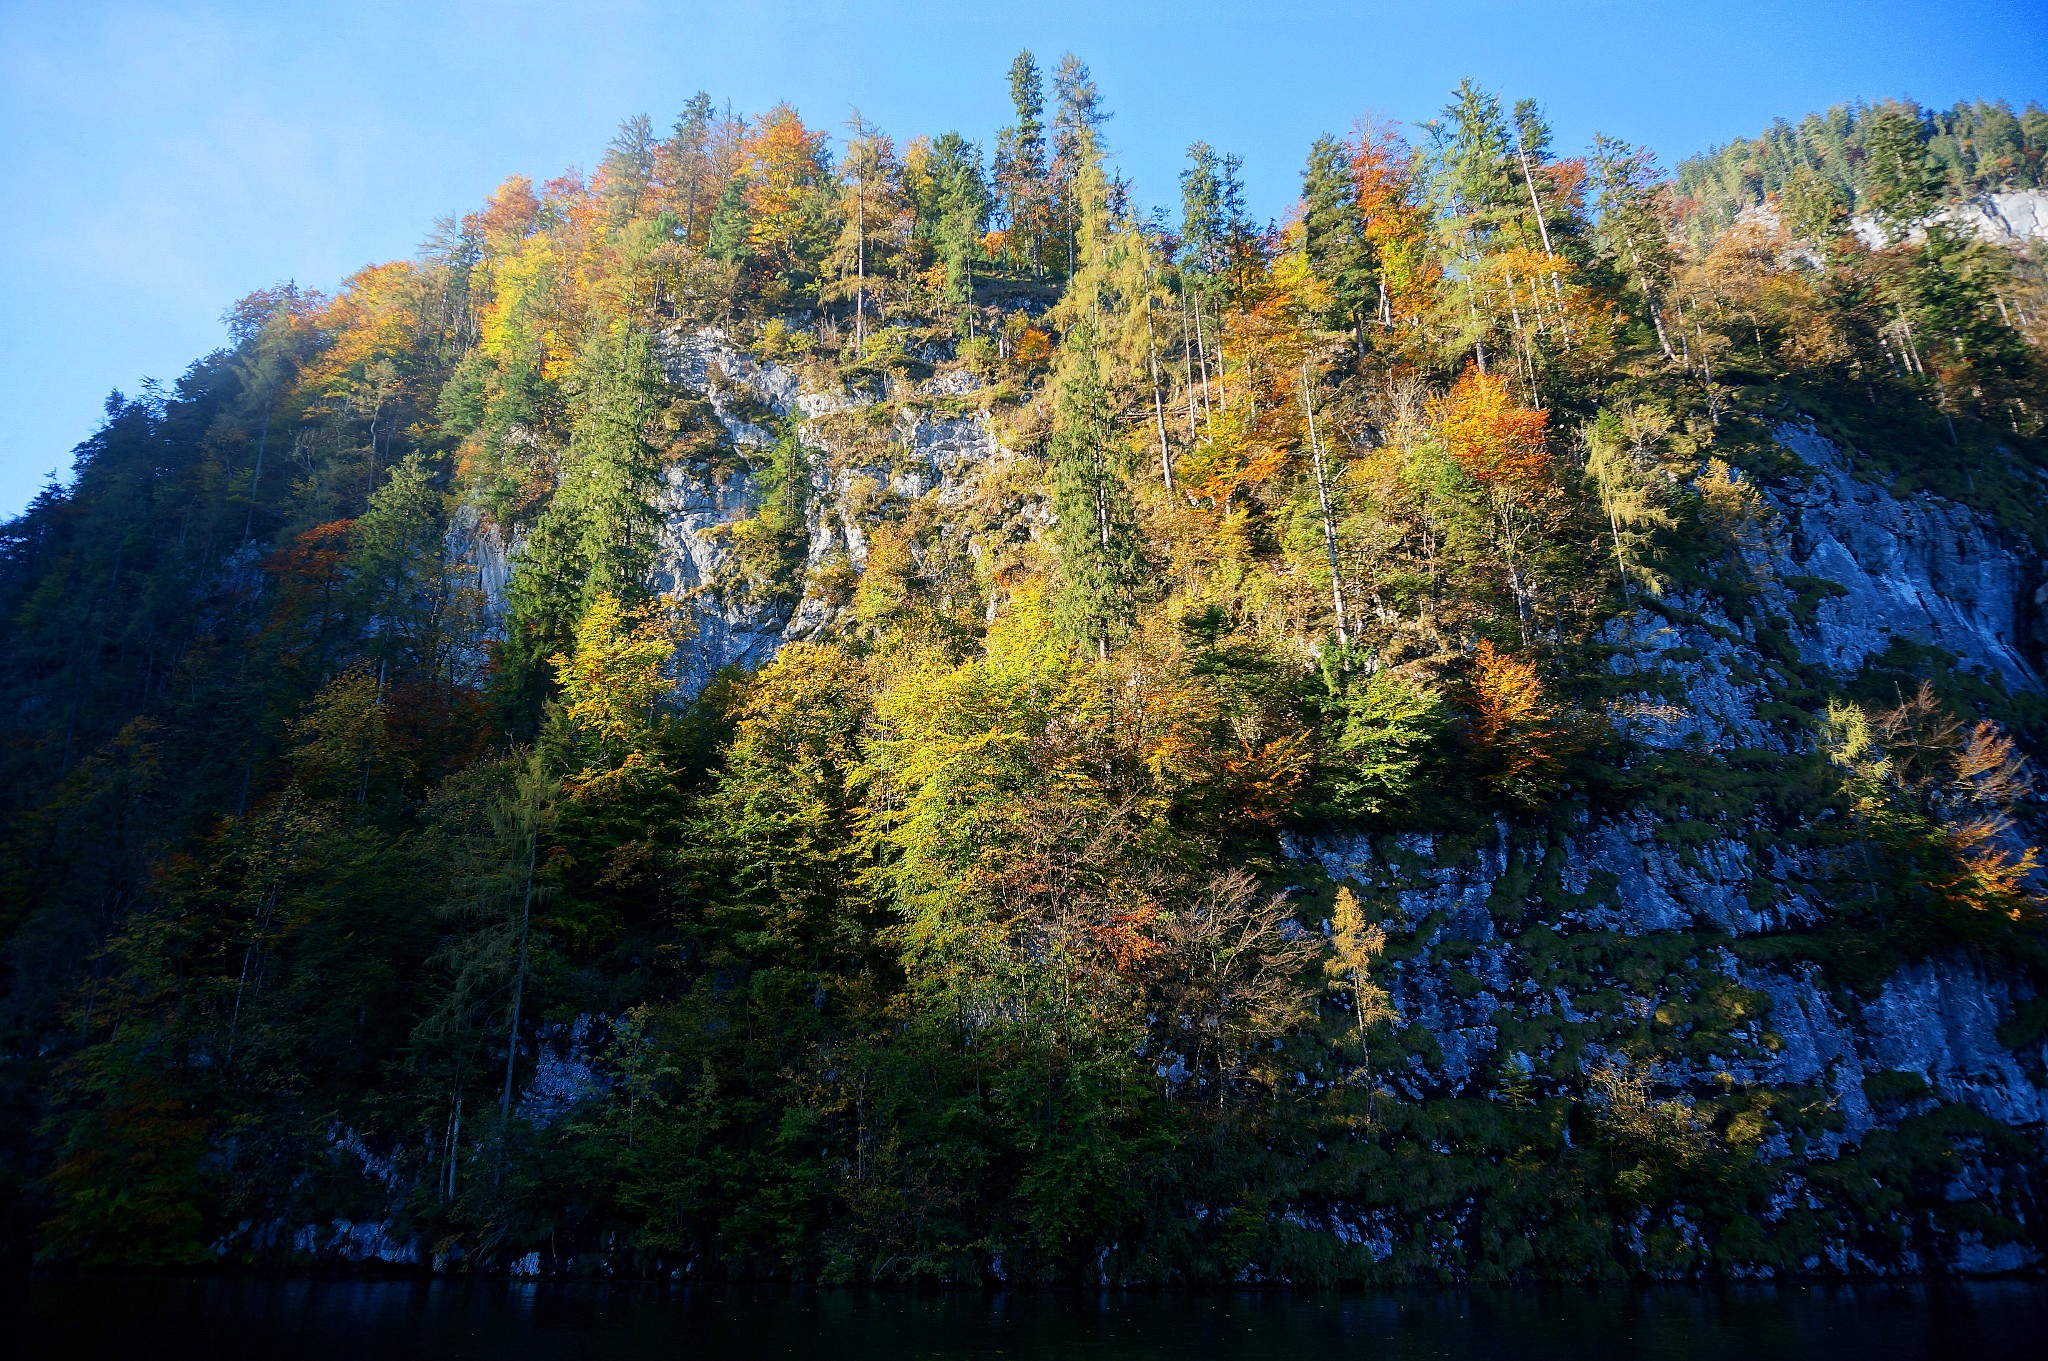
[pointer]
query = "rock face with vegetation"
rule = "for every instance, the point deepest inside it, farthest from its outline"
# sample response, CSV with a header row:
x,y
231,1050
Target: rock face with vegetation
x,y
870,713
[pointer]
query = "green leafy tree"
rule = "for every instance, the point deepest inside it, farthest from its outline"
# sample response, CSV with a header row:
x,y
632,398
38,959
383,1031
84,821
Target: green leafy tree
x,y
1902,182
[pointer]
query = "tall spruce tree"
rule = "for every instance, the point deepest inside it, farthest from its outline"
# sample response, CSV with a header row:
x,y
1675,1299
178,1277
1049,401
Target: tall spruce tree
x,y
1020,169
1631,225
1101,564
1077,120
1902,183
629,166
597,535
1339,252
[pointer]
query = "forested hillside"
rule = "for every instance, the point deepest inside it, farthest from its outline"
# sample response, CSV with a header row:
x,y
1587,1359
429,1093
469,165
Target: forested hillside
x,y
1841,158
831,705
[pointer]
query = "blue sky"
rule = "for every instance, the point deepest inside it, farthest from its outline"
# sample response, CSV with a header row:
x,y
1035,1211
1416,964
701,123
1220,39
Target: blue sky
x,y
162,160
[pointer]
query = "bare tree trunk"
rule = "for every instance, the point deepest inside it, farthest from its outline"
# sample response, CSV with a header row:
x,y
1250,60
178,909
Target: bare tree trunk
x,y
1542,227
519,979
1158,403
860,259
256,477
1315,445
1650,301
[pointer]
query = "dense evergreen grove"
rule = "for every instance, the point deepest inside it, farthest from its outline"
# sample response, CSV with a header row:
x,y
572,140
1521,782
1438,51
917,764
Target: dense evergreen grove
x,y
1970,149
958,941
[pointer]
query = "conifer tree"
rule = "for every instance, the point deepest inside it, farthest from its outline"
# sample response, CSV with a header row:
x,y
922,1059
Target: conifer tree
x,y
629,167
597,535
1476,161
1902,182
1076,136
402,578
961,211
730,230
687,171
1020,169
1101,565
1339,252
1632,226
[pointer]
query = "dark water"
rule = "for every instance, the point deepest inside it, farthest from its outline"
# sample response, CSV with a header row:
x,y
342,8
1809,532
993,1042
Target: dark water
x,y
227,1318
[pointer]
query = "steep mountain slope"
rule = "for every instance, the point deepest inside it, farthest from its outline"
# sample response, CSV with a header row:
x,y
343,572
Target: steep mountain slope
x,y
858,718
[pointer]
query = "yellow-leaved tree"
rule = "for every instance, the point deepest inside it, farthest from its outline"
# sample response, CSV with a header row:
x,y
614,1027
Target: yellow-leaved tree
x,y
1356,947
613,684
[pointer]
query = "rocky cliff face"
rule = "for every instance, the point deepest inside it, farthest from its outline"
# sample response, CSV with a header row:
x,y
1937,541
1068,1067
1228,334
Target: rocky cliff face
x,y
873,455
1643,911
2010,217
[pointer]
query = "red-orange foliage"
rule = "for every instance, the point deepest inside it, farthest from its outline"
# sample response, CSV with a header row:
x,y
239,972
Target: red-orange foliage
x,y
374,318
1383,173
312,561
511,213
1033,348
309,573
1493,437
784,161
1515,728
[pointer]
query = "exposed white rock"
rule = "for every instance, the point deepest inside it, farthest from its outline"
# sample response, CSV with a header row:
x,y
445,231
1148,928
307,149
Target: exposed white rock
x,y
942,455
2009,217
1921,568
1940,1019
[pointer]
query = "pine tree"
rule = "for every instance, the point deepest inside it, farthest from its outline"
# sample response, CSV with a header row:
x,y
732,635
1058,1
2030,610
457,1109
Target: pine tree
x,y
962,212
730,231
1632,225
402,578
1477,165
597,535
1076,135
687,169
628,172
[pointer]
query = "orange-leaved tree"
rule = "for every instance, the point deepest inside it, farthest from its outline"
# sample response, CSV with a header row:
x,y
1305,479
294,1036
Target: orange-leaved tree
x,y
1935,798
786,167
1500,444
1518,732
1495,438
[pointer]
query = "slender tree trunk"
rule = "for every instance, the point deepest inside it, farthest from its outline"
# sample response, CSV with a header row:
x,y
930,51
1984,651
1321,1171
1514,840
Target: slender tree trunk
x,y
1222,370
255,477
860,259
1158,403
455,1138
1315,445
519,979
1650,299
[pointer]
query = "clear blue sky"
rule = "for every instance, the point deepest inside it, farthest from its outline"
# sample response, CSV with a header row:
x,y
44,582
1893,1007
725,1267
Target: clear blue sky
x,y
161,160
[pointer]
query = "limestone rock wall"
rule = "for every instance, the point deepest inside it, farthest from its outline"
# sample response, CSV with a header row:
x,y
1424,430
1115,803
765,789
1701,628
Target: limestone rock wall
x,y
1851,569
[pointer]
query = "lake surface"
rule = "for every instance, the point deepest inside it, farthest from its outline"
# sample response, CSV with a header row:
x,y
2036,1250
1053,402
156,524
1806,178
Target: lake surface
x,y
306,1319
